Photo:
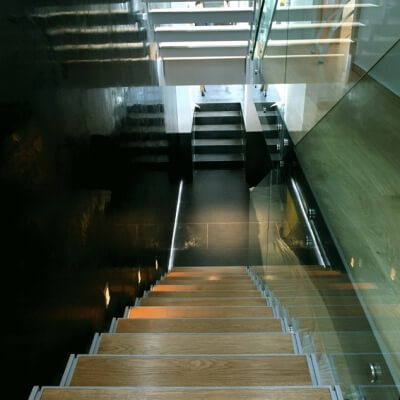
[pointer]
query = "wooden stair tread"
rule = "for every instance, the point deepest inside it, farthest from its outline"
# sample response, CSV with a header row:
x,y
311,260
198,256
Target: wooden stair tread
x,y
199,312
207,269
206,325
191,371
210,301
184,394
244,280
202,293
204,286
206,343
202,275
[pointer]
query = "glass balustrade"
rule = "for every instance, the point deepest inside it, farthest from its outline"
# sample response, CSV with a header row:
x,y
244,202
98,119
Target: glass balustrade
x,y
346,315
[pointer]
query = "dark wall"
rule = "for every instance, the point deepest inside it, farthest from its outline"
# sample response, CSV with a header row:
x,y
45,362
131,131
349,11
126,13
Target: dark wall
x,y
67,233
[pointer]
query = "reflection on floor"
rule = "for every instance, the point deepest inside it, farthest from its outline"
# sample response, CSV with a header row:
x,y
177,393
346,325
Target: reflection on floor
x,y
276,227
222,222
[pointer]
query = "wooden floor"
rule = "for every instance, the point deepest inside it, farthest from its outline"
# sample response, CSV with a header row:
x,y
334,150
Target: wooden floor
x,y
201,333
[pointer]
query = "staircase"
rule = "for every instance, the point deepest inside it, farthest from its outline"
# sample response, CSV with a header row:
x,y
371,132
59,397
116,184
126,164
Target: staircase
x,y
97,43
268,115
84,32
201,332
218,136
142,140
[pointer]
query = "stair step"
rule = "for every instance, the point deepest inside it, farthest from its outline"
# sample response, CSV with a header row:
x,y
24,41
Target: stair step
x,y
216,160
204,325
217,127
217,107
188,343
207,275
203,294
150,159
204,278
214,269
145,144
85,18
204,286
218,146
145,108
96,35
221,113
241,283
199,312
299,393
217,301
201,118
100,51
137,129
200,16
217,142
189,371
212,131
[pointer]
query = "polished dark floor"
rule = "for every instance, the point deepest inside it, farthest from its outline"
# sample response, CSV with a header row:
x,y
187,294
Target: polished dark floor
x,y
214,219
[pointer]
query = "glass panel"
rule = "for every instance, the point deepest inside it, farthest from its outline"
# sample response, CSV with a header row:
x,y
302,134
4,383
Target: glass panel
x,y
351,161
318,51
263,29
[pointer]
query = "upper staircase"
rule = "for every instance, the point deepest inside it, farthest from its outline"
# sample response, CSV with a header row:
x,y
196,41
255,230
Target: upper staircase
x,y
201,332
